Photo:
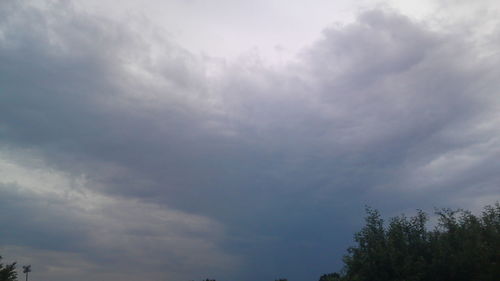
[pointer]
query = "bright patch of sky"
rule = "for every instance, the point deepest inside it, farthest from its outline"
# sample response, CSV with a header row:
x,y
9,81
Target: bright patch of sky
x,y
275,31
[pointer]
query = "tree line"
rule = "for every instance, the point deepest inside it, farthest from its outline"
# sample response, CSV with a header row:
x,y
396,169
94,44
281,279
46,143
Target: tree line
x,y
461,247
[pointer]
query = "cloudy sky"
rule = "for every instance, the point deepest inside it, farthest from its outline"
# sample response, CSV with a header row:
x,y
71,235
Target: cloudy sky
x,y
238,140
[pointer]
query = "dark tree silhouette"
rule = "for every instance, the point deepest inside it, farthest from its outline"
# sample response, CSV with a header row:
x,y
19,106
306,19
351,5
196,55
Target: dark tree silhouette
x,y
330,277
8,271
462,247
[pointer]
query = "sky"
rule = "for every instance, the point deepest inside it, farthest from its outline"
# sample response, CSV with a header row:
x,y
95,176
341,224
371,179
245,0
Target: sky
x,y
236,140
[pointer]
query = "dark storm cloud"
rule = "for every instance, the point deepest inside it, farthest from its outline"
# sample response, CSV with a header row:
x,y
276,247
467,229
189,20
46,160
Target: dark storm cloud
x,y
271,165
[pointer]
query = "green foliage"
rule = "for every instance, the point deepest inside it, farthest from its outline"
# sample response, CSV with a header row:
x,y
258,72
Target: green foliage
x,y
462,247
8,271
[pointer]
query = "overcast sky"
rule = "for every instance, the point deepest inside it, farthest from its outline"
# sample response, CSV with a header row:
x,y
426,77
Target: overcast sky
x,y
237,140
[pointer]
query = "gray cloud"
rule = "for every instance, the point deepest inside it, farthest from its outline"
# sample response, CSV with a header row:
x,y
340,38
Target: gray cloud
x,y
149,155
46,212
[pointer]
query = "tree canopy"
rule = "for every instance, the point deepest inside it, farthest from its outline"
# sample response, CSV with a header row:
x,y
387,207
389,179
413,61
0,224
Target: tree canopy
x,y
461,247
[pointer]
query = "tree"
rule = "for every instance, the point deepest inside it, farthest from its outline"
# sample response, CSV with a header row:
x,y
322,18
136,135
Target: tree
x,y
330,277
8,271
462,247
369,260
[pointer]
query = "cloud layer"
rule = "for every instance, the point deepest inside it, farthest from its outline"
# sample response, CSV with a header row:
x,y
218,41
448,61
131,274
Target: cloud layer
x,y
124,156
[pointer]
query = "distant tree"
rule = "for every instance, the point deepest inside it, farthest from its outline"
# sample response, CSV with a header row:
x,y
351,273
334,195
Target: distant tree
x,y
330,277
7,271
281,279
